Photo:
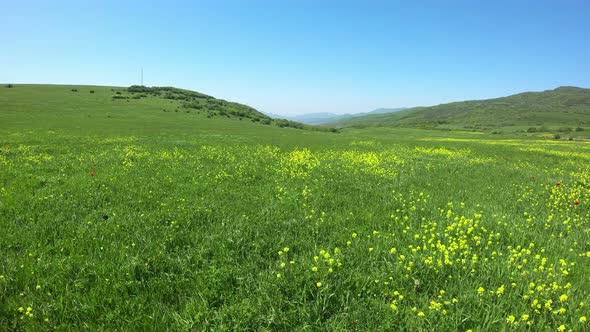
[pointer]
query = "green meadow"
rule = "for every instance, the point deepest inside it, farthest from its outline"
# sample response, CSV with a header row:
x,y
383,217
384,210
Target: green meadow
x,y
149,213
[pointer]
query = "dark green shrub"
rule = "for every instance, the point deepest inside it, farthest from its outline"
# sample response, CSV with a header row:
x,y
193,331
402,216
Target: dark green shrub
x,y
287,123
579,129
194,105
91,91
138,88
531,130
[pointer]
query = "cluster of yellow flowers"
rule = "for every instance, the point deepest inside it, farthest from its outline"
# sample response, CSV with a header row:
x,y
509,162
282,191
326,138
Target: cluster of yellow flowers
x,y
26,313
466,248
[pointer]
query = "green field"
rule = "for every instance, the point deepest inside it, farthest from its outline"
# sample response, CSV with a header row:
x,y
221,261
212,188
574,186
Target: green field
x,y
134,214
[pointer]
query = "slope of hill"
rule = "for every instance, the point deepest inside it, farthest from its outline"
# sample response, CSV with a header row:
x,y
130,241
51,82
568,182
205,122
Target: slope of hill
x,y
561,108
386,110
67,106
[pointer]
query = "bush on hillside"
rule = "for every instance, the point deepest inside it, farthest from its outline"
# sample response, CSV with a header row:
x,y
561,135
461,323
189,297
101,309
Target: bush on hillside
x,y
287,123
196,106
9,86
91,91
74,90
579,129
138,88
531,130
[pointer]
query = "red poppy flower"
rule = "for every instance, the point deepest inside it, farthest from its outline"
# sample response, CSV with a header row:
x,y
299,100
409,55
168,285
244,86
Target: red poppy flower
x,y
91,174
576,202
558,184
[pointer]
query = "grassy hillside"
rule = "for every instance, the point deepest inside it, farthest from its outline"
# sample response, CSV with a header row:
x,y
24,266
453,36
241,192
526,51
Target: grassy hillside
x,y
563,109
118,216
136,107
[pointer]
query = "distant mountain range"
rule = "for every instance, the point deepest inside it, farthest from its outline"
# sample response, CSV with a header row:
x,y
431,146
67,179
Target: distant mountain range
x,y
563,108
327,117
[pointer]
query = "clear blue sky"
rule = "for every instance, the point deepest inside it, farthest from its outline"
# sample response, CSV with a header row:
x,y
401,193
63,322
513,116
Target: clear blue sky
x,y
299,56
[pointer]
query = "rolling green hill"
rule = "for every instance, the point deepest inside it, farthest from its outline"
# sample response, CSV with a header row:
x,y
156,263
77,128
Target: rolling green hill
x,y
565,108
161,108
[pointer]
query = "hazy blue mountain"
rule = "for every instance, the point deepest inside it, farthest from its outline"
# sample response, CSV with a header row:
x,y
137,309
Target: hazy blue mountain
x,y
327,117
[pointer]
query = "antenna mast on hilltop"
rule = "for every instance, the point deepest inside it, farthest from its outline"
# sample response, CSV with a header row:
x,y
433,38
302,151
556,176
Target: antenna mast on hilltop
x,y
141,76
